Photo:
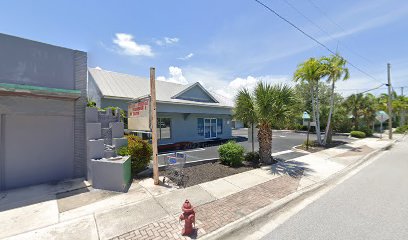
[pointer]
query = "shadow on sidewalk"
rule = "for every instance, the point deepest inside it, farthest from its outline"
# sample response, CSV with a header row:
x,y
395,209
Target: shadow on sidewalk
x,y
292,168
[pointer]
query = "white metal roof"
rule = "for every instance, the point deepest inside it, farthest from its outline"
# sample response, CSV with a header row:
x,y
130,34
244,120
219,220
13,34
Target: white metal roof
x,y
120,85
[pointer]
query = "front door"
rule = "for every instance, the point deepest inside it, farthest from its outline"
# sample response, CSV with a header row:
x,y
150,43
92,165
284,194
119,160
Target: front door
x,y
210,127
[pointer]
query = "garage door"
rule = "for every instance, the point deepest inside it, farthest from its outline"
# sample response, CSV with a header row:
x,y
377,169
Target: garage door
x,y
36,149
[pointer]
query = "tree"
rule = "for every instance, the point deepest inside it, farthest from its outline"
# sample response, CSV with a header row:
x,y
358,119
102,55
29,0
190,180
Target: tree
x,y
354,102
245,110
400,106
266,106
334,68
311,71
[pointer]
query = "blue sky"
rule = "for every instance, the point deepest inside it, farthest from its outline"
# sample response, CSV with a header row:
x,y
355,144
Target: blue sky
x,y
223,44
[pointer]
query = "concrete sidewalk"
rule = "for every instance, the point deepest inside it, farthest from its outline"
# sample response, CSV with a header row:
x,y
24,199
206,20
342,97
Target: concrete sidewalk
x,y
148,211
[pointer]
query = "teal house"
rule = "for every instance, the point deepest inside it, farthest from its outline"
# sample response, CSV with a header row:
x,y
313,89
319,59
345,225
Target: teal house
x,y
186,113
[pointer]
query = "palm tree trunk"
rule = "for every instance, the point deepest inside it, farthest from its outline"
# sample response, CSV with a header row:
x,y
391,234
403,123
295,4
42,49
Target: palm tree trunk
x,y
319,137
326,134
253,140
265,143
313,107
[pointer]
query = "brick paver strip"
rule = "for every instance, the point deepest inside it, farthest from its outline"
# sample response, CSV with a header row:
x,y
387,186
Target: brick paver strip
x,y
218,213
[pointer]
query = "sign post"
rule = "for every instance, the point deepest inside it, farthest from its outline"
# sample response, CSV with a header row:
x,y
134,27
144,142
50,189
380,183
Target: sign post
x,y
381,116
154,125
306,117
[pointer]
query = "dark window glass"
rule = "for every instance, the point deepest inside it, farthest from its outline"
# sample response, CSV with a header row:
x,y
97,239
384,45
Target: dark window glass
x,y
200,126
219,125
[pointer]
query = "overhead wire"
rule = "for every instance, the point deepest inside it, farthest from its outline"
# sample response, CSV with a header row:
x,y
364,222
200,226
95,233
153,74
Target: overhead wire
x,y
324,31
313,38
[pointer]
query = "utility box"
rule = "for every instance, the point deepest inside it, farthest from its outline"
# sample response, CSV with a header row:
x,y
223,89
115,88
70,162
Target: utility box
x,y
112,175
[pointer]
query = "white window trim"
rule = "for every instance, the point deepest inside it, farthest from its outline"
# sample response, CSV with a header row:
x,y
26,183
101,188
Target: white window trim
x,y
216,134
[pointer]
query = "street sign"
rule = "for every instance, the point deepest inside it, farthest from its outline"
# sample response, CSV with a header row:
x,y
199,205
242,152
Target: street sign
x,y
306,116
381,116
139,115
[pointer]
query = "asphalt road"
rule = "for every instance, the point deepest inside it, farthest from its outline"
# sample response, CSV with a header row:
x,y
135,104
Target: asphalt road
x,y
370,205
282,143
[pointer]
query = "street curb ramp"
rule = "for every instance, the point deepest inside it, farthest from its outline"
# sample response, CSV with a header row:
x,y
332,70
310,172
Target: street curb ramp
x,y
264,214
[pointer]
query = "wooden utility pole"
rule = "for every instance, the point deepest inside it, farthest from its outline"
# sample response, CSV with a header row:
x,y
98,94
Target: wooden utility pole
x,y
154,125
389,101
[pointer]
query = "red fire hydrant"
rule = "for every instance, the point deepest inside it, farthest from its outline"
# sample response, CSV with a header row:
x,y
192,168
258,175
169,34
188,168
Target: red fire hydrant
x,y
188,216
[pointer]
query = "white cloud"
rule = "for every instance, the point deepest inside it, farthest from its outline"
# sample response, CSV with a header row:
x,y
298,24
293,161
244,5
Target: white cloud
x,y
188,56
99,68
176,76
171,40
128,46
250,83
167,41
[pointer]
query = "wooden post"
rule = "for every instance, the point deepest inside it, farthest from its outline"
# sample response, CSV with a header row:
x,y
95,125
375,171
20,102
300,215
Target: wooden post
x,y
154,125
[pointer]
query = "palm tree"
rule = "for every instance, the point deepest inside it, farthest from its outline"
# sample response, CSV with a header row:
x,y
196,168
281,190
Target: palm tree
x,y
334,67
245,110
354,102
266,106
311,71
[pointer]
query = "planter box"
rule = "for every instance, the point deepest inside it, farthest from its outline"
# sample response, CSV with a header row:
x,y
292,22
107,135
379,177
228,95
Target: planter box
x,y
91,115
112,175
119,142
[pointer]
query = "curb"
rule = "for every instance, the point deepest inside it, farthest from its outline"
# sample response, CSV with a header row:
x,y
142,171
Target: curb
x,y
280,204
295,149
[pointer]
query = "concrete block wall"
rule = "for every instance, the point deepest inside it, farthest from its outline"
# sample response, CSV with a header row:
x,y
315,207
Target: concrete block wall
x,y
96,128
80,76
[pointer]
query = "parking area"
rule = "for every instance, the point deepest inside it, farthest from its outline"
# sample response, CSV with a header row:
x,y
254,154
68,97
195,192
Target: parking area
x,y
282,143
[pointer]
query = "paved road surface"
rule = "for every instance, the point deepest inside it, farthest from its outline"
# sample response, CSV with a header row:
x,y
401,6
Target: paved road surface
x,y
373,204
282,143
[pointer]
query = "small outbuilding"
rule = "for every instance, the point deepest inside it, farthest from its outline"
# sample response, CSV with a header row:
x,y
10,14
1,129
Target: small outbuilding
x,y
186,113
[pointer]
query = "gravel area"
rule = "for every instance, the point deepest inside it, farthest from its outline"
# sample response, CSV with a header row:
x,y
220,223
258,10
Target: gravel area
x,y
210,171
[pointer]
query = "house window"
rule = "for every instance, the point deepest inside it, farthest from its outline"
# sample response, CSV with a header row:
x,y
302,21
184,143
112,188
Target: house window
x,y
200,126
219,125
163,128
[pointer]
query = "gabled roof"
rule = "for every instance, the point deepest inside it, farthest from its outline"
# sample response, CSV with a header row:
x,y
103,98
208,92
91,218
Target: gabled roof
x,y
192,86
125,86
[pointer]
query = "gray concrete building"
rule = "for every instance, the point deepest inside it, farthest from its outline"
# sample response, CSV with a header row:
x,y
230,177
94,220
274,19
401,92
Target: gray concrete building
x,y
42,112
186,113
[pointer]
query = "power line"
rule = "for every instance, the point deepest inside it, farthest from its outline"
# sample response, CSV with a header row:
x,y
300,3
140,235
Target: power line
x,y
324,31
328,17
311,37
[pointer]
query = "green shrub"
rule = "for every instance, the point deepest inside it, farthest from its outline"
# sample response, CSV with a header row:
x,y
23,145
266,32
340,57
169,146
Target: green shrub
x,y
368,131
90,103
357,134
402,129
123,151
231,153
252,157
140,152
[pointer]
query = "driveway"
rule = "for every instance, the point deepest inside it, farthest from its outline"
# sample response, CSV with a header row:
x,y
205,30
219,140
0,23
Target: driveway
x,y
282,143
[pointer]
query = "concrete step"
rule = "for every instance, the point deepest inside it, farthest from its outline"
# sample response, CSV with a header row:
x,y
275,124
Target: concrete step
x,y
119,142
117,129
109,153
93,131
95,148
